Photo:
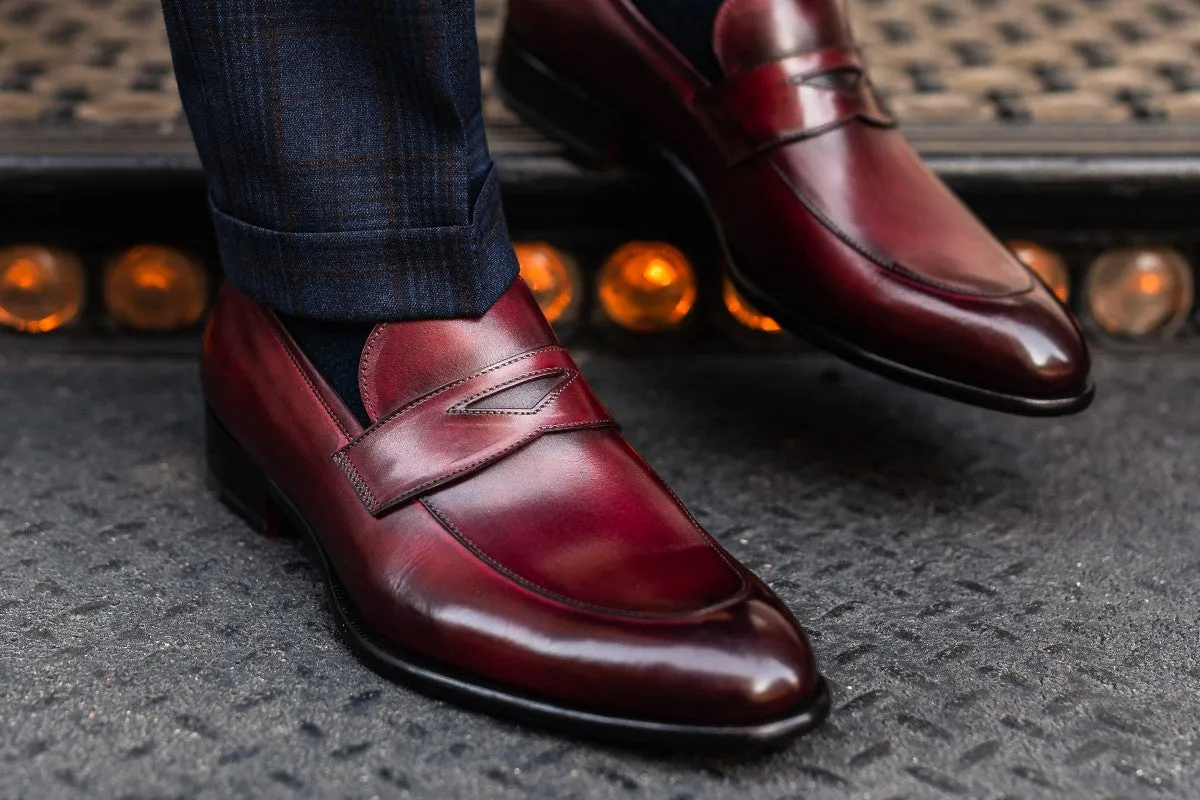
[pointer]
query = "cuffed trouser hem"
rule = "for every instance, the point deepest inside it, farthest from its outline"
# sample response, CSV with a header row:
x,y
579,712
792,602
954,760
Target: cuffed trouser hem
x,y
375,275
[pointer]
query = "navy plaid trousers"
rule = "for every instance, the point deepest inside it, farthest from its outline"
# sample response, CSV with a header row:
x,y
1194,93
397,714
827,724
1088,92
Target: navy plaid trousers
x,y
344,148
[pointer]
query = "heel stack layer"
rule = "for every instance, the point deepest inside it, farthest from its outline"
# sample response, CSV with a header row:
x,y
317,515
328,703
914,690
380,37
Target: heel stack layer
x,y
232,473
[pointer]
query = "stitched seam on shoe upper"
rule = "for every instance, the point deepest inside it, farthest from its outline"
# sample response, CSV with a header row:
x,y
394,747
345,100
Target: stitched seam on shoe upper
x,y
369,398
904,271
697,105
466,542
342,457
785,137
820,215
712,543
426,398
271,325
879,260
356,480
376,506
461,408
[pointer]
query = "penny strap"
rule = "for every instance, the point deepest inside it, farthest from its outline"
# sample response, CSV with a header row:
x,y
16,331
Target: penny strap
x,y
784,101
465,426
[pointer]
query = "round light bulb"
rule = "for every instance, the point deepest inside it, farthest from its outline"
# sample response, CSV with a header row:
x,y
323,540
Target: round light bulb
x,y
41,288
156,288
550,276
647,287
1138,291
1046,264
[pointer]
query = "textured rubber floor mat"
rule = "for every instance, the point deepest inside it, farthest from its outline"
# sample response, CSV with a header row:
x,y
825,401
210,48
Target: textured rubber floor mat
x,y
1006,608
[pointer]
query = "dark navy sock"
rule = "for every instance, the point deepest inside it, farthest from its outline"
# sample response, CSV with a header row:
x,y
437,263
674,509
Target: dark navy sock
x,y
688,24
334,348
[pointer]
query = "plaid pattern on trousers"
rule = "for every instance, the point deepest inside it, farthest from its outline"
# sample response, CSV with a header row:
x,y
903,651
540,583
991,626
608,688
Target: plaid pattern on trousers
x,y
343,143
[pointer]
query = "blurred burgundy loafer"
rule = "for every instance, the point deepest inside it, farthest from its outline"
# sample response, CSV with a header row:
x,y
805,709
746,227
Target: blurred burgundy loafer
x,y
831,222
491,537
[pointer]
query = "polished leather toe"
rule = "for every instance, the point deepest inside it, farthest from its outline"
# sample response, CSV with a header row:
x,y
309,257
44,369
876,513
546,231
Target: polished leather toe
x,y
1035,349
1025,344
492,533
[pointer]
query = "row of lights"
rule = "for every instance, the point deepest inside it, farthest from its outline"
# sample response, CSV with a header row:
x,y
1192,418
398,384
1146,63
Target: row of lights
x,y
650,286
147,288
644,287
1132,291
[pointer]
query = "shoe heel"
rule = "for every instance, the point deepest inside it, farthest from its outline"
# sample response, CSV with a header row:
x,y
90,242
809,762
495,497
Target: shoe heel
x,y
238,482
588,127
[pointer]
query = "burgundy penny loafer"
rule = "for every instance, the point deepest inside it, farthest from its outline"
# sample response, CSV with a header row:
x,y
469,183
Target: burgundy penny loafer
x,y
831,222
491,537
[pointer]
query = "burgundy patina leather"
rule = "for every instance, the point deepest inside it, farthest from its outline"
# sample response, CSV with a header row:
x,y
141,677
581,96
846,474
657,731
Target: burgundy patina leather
x,y
492,529
832,222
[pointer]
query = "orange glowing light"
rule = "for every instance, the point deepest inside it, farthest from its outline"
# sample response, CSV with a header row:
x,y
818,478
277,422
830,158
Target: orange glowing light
x,y
1138,291
647,286
1046,264
741,310
25,274
41,288
551,277
156,288
660,273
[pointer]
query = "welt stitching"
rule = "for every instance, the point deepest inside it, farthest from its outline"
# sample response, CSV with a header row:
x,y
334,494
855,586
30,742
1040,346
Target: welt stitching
x,y
463,539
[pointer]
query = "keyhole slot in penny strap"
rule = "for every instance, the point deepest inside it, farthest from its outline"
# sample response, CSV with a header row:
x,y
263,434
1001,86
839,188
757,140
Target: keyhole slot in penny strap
x,y
782,102
448,433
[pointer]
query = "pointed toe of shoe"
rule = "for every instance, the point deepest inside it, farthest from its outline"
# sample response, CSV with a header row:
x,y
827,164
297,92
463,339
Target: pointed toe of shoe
x,y
777,676
1022,352
1030,351
1050,355
750,668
